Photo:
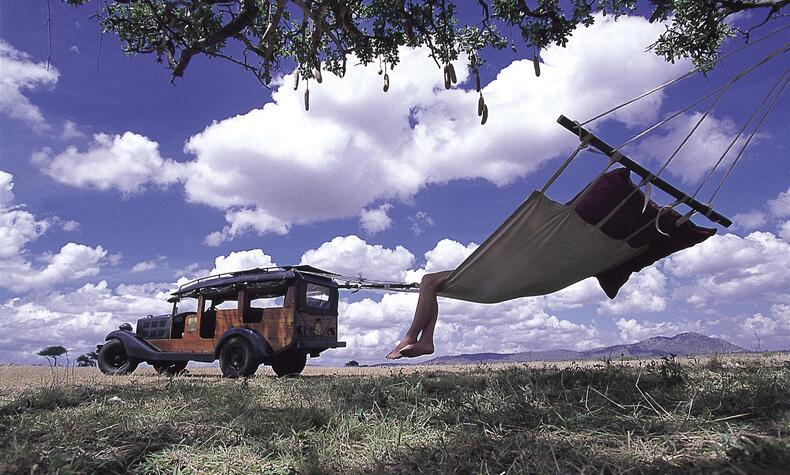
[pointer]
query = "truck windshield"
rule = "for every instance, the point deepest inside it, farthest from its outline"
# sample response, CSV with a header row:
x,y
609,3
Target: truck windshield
x,y
317,296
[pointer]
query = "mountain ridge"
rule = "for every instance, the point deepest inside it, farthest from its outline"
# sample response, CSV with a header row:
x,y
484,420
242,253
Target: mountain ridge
x,y
682,344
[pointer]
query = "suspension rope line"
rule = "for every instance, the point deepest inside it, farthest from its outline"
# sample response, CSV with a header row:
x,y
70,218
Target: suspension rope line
x,y
740,132
751,136
720,89
684,76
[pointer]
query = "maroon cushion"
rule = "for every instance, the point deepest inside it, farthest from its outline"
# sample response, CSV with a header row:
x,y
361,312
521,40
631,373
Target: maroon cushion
x,y
605,194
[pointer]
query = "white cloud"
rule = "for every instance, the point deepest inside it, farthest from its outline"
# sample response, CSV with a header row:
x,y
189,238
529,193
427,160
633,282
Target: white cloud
x,y
241,260
6,188
245,220
578,295
784,230
446,255
125,162
70,131
780,206
750,220
419,221
699,154
729,267
77,320
773,329
21,74
73,261
375,220
351,256
371,328
70,225
143,266
357,146
644,292
18,228
632,330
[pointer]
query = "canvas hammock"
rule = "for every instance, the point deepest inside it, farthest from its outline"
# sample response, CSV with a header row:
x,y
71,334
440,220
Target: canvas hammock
x,y
610,229
607,230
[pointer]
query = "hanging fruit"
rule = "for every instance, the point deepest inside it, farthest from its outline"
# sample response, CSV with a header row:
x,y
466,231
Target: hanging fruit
x,y
386,82
296,80
307,99
536,63
484,117
451,70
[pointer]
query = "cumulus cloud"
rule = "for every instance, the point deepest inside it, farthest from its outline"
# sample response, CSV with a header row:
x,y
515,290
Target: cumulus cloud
x,y
730,267
151,264
372,327
773,329
351,255
645,292
241,260
245,220
358,146
375,220
750,220
18,228
699,154
70,131
125,162
419,222
784,231
77,320
632,330
20,74
780,206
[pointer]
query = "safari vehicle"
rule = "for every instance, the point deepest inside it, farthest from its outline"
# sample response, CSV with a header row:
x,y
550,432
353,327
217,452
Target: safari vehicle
x,y
273,316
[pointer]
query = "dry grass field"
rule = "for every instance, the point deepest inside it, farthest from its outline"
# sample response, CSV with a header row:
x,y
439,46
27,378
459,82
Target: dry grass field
x,y
726,415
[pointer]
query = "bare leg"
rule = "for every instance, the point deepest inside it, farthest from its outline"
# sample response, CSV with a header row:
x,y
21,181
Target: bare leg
x,y
424,319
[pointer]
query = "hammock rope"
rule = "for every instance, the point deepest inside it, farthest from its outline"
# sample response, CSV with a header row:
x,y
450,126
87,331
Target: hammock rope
x,y
684,76
751,136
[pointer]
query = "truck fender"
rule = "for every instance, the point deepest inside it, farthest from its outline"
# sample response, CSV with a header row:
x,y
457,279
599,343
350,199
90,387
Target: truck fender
x,y
261,348
135,346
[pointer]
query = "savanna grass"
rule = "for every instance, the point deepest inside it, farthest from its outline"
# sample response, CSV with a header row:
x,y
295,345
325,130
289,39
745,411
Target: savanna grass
x,y
728,415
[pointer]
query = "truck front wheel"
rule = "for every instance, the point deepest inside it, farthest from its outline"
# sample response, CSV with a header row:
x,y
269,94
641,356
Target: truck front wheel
x,y
113,359
236,359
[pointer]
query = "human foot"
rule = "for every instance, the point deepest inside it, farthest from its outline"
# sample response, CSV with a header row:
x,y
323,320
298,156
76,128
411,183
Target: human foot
x,y
395,354
417,349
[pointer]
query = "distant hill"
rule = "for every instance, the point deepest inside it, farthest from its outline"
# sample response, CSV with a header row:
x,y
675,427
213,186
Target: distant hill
x,y
684,344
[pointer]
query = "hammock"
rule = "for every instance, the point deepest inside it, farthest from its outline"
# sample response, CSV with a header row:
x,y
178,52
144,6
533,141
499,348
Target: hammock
x,y
609,230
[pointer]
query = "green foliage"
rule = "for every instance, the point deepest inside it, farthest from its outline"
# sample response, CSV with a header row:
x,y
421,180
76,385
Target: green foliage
x,y
352,364
266,36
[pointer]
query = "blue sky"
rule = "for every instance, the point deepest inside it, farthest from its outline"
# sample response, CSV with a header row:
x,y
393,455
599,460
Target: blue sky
x,y
117,183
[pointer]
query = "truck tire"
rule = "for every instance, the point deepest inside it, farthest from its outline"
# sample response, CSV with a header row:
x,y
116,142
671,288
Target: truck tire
x,y
289,363
236,358
170,369
113,359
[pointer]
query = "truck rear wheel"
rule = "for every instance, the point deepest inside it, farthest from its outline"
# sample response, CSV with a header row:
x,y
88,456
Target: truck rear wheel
x,y
236,359
113,359
289,362
170,369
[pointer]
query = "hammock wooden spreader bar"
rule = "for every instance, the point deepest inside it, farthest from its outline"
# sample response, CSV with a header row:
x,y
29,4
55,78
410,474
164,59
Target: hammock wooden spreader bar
x,y
643,172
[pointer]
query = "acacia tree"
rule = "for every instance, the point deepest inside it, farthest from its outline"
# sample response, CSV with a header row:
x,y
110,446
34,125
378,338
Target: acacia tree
x,y
267,36
51,353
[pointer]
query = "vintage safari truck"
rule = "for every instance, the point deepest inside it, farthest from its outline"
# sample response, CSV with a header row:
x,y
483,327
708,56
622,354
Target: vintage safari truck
x,y
273,316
